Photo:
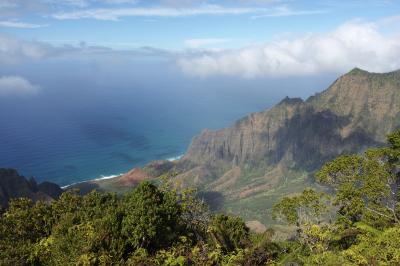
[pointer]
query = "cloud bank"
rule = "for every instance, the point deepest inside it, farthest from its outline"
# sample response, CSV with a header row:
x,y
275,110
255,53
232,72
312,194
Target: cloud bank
x,y
352,44
16,85
14,50
21,25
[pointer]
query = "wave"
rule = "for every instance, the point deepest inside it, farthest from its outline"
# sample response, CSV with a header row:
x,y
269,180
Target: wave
x,y
102,177
175,158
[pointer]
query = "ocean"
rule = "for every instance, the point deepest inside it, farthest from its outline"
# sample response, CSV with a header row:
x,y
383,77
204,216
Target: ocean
x,y
87,123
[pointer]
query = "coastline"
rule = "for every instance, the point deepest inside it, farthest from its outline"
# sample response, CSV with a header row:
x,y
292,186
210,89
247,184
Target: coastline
x,y
102,177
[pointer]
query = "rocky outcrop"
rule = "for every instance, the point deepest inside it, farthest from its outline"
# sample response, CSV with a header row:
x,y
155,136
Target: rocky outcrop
x,y
246,168
13,185
358,110
266,155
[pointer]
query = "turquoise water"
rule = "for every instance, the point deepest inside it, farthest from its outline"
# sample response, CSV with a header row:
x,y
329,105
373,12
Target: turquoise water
x,y
82,127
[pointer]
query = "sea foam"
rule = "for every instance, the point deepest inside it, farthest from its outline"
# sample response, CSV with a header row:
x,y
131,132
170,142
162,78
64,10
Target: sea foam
x,y
175,158
102,177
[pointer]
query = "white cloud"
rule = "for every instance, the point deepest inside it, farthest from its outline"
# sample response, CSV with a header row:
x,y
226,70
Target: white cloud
x,y
13,50
116,9
117,13
199,43
178,11
16,85
21,25
285,11
78,3
352,44
86,3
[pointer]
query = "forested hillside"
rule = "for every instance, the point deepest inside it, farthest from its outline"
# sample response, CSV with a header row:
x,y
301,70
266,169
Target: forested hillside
x,y
357,223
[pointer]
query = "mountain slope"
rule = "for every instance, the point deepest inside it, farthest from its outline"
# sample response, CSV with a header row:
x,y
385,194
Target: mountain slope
x,y
246,168
359,104
273,153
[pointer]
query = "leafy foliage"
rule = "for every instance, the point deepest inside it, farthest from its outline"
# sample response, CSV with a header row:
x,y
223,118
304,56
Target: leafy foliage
x,y
365,197
148,226
356,224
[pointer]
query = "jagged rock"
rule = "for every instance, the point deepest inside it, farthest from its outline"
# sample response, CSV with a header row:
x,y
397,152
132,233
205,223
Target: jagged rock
x,y
359,108
264,156
276,150
13,185
51,189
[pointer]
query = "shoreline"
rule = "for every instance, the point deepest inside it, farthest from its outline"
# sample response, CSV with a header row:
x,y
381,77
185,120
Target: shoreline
x,y
102,177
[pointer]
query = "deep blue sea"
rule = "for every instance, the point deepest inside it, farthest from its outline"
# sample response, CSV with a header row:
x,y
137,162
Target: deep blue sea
x,y
88,122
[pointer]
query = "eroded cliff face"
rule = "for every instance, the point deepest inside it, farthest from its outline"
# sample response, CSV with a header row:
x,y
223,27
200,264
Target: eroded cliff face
x,y
247,168
273,153
248,140
359,108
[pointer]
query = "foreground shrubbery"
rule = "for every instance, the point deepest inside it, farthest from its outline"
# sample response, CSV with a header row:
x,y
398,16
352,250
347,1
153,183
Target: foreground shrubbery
x,y
149,226
356,224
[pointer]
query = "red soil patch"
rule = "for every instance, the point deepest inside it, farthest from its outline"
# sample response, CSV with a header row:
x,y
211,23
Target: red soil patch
x,y
133,177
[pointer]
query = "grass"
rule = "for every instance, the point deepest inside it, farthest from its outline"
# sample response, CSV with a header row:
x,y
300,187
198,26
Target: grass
x,y
258,206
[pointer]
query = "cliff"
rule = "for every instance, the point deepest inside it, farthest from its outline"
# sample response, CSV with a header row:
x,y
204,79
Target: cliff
x,y
359,107
273,153
13,185
246,168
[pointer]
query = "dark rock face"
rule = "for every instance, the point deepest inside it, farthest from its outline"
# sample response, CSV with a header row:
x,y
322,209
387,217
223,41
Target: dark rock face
x,y
13,185
51,189
270,149
359,108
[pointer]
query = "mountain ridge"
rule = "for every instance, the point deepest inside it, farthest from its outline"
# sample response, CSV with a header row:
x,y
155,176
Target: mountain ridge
x,y
265,155
350,102
274,152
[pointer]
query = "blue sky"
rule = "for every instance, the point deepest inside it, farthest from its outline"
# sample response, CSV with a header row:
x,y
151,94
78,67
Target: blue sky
x,y
172,24
172,66
202,38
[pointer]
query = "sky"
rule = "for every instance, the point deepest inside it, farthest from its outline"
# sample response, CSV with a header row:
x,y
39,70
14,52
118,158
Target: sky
x,y
82,81
202,39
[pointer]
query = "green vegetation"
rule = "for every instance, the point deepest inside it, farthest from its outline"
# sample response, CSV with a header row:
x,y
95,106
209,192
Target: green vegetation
x,y
356,223
151,225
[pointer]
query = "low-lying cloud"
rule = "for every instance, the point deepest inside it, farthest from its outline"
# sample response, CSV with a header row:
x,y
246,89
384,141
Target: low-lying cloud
x,y
352,44
14,50
16,85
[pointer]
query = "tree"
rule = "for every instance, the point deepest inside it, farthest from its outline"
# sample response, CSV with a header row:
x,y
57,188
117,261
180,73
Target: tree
x,y
229,232
152,218
365,193
301,209
22,225
366,186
